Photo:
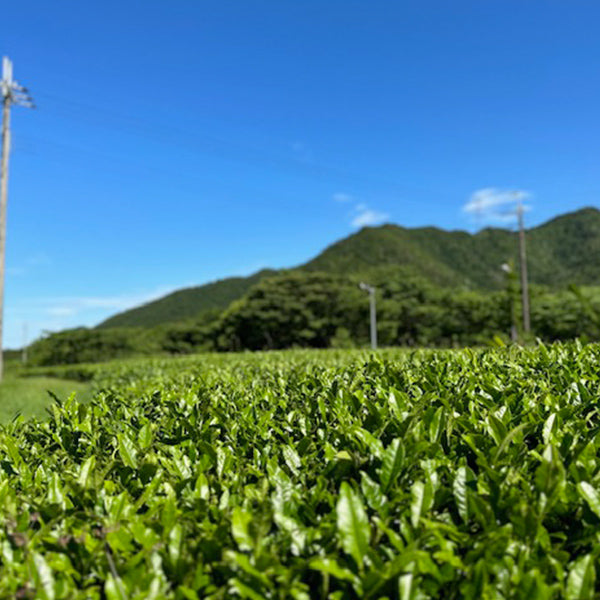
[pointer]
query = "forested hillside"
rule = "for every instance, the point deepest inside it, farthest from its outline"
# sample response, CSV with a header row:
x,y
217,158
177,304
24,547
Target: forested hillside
x,y
434,288
186,303
321,310
560,252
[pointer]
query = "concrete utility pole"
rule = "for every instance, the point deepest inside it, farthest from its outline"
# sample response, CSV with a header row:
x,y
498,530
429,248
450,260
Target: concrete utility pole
x,y
12,93
371,290
523,269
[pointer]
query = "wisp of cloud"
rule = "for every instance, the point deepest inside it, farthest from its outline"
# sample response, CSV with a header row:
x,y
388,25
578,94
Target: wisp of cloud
x,y
487,202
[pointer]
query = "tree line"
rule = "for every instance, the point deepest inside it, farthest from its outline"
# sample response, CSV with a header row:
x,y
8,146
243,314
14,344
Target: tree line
x,y
321,310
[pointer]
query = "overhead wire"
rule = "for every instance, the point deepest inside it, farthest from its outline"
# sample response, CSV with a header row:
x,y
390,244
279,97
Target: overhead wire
x,y
218,147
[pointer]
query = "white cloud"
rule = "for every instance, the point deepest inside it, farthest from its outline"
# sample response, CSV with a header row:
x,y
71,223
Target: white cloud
x,y
74,305
490,203
55,313
366,216
360,214
342,197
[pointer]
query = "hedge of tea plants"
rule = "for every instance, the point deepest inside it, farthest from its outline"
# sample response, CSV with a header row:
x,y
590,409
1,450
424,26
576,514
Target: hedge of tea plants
x,y
456,474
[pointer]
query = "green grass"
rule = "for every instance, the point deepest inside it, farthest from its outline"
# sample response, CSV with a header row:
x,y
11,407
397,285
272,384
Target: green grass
x,y
30,396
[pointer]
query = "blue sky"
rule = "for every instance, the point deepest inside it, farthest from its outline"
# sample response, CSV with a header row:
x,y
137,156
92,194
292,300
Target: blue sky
x,y
184,141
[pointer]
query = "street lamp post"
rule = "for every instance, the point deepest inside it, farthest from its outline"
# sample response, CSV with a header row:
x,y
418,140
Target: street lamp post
x,y
511,286
371,291
523,265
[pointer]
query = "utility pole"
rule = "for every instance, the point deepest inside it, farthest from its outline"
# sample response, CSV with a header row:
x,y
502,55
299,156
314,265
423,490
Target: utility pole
x,y
371,290
12,93
523,269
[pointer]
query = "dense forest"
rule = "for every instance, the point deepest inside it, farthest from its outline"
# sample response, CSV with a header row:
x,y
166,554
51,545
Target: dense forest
x,y
321,310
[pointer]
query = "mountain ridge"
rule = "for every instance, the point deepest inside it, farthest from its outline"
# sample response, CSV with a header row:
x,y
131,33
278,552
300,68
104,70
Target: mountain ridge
x,y
562,250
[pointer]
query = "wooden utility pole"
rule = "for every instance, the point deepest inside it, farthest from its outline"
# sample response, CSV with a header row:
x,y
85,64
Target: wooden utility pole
x,y
523,269
12,93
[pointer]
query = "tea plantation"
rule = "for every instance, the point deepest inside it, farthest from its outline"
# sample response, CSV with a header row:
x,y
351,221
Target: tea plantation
x,y
455,474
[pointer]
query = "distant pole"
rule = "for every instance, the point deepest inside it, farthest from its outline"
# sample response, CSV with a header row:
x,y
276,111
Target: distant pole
x,y
371,290
523,269
511,290
12,93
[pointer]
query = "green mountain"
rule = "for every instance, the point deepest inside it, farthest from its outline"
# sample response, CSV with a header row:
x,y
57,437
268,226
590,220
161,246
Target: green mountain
x,y
562,251
187,303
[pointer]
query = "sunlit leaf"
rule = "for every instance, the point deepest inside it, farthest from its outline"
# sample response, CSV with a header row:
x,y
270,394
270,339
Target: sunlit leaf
x,y
590,495
352,523
393,459
582,575
240,521
422,500
127,450
44,578
461,493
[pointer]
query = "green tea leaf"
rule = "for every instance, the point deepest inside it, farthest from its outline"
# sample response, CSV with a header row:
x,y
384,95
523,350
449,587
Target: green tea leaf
x,y
292,460
372,492
393,459
332,567
508,438
85,479
145,436
550,475
422,500
406,586
436,424
114,589
127,450
580,582
12,450
393,403
352,523
175,542
550,426
461,493
590,495
44,578
245,591
374,445
240,521
55,491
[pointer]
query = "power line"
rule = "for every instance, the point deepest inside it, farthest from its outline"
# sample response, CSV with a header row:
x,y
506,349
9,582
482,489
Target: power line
x,y
220,147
